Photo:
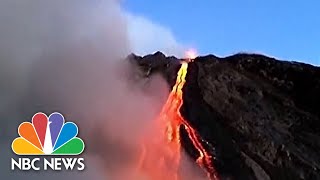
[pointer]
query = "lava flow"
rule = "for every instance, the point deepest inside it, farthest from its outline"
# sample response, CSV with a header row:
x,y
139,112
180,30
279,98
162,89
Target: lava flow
x,y
167,161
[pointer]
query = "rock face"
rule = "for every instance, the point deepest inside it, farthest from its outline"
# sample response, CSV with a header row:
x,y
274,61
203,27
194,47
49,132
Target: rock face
x,y
261,115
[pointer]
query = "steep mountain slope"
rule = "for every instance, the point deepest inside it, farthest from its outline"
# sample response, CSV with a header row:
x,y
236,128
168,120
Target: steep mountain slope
x,y
260,115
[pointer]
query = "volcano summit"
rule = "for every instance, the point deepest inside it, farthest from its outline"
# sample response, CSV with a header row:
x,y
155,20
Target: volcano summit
x,y
259,116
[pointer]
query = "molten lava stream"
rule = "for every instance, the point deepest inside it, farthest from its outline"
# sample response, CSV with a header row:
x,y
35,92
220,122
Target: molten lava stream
x,y
167,148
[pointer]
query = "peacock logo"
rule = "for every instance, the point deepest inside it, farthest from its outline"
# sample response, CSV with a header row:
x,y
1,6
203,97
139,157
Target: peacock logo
x,y
48,136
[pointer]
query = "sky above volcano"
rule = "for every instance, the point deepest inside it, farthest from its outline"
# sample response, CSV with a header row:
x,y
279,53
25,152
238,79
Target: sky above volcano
x,y
286,29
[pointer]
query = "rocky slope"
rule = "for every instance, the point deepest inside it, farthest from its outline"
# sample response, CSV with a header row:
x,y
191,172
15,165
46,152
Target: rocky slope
x,y
261,115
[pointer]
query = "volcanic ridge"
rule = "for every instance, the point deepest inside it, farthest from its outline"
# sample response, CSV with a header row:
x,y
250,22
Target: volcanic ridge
x,y
259,116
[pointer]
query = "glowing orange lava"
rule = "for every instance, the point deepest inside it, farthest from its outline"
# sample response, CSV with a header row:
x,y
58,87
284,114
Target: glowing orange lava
x,y
170,122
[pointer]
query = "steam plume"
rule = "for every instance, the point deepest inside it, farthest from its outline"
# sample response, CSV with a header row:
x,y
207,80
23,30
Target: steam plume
x,y
68,56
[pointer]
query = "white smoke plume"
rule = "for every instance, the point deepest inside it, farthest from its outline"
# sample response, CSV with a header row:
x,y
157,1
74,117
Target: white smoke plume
x,y
143,33
68,56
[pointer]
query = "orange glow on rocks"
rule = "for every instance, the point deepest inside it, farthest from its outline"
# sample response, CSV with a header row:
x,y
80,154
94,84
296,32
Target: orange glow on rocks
x,y
158,162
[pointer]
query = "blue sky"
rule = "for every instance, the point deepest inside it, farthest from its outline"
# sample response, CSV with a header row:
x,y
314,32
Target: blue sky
x,y
286,29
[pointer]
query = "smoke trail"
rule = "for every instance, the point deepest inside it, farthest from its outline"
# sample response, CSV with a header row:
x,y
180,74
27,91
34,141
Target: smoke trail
x,y
68,56
39,38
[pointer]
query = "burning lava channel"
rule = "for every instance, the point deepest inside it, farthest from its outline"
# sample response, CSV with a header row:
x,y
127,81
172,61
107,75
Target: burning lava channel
x,y
166,163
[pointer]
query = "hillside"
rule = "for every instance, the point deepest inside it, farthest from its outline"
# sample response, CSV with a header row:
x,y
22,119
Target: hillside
x,y
261,115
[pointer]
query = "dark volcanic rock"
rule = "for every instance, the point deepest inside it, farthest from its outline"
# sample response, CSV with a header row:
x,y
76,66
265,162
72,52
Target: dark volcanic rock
x,y
261,115
157,63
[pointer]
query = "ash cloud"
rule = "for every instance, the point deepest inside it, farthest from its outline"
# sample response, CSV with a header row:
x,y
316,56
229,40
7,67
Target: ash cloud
x,y
68,56
144,33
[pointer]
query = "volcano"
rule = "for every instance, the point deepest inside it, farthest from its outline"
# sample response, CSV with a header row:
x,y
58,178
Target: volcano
x,y
254,116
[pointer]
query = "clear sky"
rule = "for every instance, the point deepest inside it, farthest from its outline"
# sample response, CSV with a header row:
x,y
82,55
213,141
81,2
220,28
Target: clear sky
x,y
286,29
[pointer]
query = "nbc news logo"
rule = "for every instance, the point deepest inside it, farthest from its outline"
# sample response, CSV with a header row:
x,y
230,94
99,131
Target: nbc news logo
x,y
49,136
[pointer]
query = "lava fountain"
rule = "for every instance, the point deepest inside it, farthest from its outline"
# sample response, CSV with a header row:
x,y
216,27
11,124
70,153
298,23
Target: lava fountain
x,y
161,158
